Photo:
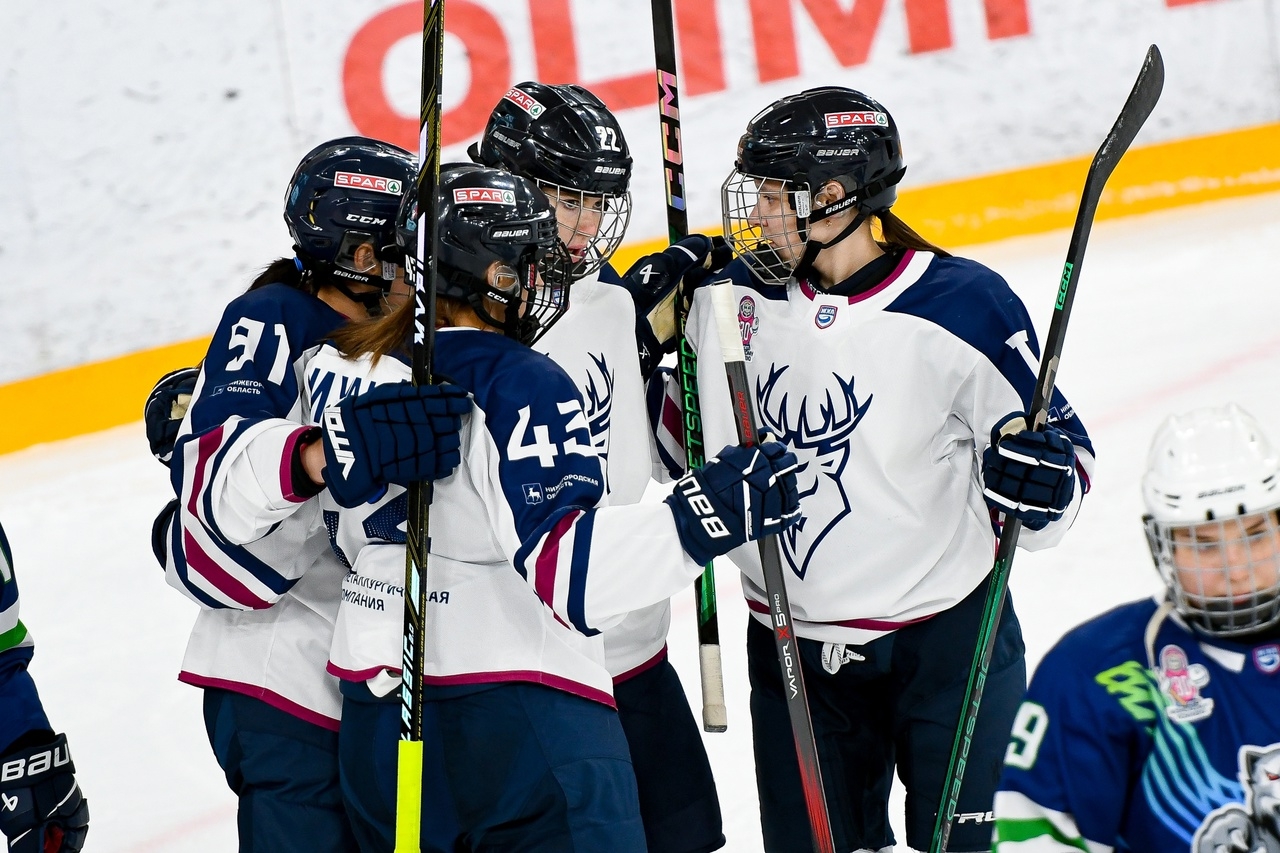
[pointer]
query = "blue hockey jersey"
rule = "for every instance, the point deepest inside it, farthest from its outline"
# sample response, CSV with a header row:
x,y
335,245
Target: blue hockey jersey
x,y
528,561
241,543
1139,735
20,708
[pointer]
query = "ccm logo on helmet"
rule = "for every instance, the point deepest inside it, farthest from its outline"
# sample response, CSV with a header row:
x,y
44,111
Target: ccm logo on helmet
x,y
865,119
365,220
522,100
483,195
390,186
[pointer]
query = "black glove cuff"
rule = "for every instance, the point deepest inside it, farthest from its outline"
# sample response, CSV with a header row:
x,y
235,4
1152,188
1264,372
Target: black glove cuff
x,y
303,485
26,767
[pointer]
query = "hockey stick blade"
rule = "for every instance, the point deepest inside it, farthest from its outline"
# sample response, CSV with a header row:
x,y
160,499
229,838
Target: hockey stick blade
x,y
725,306
1142,100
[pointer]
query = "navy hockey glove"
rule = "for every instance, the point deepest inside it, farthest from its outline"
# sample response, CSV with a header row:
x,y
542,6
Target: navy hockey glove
x,y
1029,474
166,407
744,493
41,807
654,285
395,433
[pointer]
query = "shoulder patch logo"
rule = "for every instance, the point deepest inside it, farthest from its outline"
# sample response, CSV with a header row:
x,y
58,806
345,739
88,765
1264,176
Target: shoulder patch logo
x,y
748,322
1267,658
532,493
1181,683
826,316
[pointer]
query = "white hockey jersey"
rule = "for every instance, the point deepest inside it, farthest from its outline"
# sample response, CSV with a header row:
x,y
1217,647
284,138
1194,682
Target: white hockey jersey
x,y
528,563
239,541
887,398
595,344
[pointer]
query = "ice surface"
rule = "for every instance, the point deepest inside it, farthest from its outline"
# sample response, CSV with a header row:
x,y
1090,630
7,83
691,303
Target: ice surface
x,y
1175,310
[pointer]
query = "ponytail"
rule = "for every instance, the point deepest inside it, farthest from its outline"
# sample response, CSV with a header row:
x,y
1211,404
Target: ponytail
x,y
286,271
897,234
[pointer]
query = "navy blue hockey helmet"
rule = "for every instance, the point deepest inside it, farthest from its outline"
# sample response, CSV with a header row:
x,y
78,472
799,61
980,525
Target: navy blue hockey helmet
x,y
798,144
566,139
499,249
344,194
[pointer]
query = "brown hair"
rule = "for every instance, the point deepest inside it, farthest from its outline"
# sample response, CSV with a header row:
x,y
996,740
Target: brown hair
x,y
896,234
285,271
392,333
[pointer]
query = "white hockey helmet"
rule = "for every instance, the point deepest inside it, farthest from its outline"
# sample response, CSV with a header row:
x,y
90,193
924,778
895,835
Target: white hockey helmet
x,y
1211,490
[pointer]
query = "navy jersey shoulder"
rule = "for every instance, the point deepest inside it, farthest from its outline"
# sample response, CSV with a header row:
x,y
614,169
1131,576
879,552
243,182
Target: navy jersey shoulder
x,y
1108,639
609,275
248,371
534,416
970,301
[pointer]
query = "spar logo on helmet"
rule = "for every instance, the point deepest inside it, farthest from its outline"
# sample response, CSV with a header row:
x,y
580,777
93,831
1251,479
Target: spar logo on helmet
x,y
857,119
524,101
484,195
390,186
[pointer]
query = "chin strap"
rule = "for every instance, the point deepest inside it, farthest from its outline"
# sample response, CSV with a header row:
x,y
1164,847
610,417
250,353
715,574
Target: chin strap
x,y
813,247
373,301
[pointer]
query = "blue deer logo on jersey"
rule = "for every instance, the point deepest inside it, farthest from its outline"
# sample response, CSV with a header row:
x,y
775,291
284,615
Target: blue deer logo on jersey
x,y
598,405
819,436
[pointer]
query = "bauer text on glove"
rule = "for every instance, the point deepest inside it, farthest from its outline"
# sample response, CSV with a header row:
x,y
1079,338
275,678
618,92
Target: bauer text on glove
x,y
743,494
397,433
41,807
1029,474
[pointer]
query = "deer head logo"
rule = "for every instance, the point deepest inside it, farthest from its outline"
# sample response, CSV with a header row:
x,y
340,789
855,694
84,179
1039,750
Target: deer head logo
x,y
818,432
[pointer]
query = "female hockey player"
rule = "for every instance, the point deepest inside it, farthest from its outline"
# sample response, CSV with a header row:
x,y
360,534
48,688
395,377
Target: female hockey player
x,y
565,140
885,364
1153,727
42,808
523,750
245,538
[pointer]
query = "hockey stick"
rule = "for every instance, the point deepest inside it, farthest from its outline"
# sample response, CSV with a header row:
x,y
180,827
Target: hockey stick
x,y
409,765
1142,100
715,717
725,306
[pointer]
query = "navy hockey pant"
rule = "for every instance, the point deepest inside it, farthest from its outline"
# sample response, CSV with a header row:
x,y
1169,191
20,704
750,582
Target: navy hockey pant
x,y
513,767
894,701
285,773
678,799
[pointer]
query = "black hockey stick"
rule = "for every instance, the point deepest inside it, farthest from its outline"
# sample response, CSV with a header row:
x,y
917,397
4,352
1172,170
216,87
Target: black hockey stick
x,y
715,717
1142,100
725,306
409,766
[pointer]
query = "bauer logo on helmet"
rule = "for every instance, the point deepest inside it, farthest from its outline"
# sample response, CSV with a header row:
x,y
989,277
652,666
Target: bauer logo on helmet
x,y
390,186
484,195
524,101
857,119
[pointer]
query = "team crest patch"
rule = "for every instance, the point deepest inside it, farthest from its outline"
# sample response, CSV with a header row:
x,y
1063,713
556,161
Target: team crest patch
x,y
1181,683
532,493
834,655
748,322
826,316
1267,658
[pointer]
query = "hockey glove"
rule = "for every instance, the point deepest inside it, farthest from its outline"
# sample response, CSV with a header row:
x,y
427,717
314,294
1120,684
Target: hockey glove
x,y
166,407
1029,474
654,284
742,494
41,807
395,433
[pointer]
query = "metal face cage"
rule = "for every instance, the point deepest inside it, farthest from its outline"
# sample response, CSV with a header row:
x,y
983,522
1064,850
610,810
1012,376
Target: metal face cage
x,y
1223,575
591,225
766,223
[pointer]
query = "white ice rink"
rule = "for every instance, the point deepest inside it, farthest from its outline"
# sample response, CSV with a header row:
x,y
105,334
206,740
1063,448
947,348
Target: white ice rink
x,y
1174,310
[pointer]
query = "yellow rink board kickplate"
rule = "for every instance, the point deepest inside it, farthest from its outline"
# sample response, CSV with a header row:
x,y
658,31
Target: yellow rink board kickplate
x,y
1032,200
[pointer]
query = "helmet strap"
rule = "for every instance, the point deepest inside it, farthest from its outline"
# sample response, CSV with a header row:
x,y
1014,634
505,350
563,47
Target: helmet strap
x,y
813,247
